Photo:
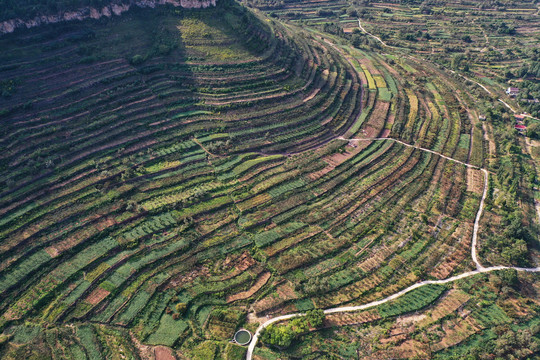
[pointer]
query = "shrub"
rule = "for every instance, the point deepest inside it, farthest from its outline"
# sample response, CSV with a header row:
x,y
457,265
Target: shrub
x,y
136,60
325,13
163,49
181,308
315,317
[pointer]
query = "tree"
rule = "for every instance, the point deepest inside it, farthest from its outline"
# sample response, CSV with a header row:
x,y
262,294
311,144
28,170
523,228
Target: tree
x,y
137,60
517,253
456,61
533,131
426,9
181,308
283,335
315,317
509,278
352,12
357,40
325,13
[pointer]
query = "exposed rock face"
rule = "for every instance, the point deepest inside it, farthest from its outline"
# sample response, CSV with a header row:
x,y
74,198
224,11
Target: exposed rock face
x,y
117,8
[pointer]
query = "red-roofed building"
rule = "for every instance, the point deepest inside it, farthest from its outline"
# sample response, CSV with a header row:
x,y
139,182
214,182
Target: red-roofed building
x,y
520,127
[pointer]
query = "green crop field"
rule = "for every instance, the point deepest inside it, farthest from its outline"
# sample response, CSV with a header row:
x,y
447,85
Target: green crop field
x,y
170,175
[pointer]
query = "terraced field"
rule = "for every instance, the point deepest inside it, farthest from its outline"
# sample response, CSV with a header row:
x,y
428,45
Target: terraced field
x,y
171,176
465,319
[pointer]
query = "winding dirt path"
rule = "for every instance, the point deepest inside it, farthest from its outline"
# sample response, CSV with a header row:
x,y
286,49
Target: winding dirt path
x,y
508,106
196,141
253,343
375,37
484,193
468,79
479,268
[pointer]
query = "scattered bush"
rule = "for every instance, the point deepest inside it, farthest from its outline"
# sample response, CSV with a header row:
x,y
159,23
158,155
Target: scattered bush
x,y
137,60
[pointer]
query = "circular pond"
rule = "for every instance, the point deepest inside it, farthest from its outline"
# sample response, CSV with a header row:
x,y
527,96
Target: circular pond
x,y
242,337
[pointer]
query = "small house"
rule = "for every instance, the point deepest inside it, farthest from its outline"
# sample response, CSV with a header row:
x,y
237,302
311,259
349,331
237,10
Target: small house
x,y
512,91
482,117
520,127
520,117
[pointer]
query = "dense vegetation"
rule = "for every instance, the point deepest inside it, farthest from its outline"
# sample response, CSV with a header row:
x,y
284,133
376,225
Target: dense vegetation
x,y
282,336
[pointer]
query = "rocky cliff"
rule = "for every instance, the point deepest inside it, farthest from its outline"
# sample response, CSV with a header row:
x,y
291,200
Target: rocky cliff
x,y
92,13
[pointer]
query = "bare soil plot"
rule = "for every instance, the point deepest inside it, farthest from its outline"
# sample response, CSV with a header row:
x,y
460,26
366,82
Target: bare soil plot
x,y
163,353
475,181
97,295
